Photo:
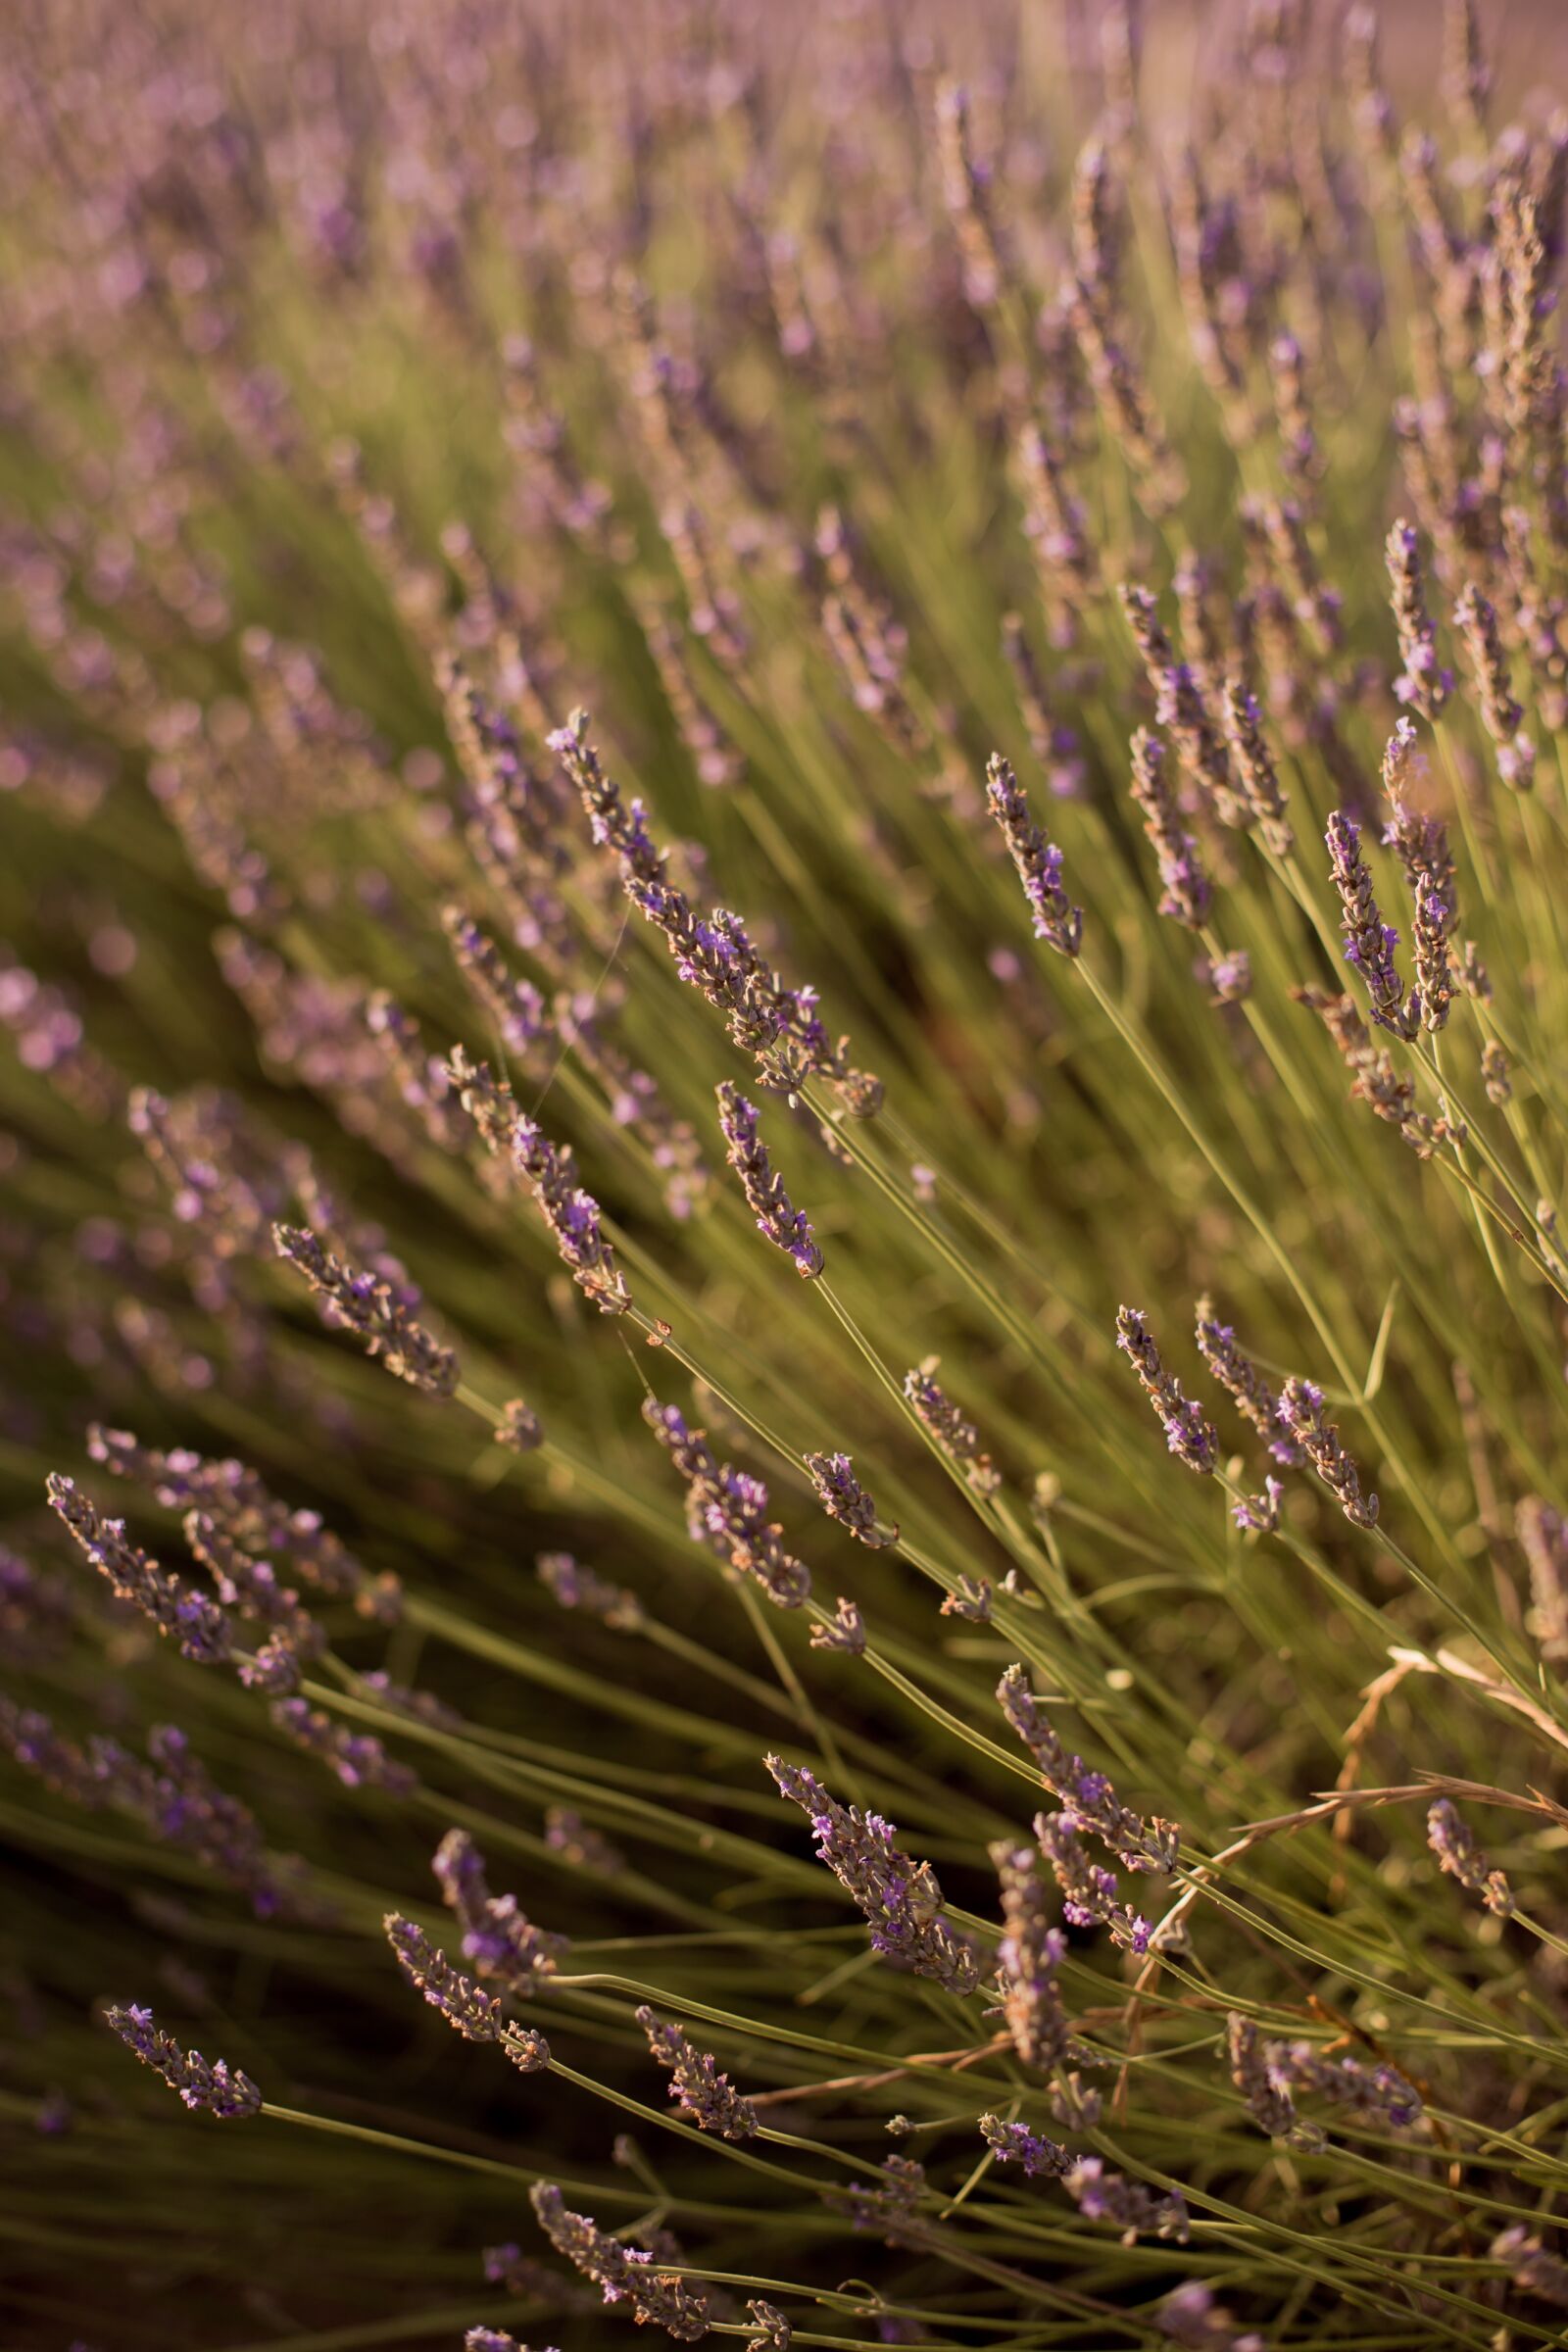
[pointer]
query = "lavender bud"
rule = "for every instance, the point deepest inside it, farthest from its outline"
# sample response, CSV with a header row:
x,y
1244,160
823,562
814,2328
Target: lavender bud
x,y
1422,844
1242,1380
216,2089
972,1600
1088,1893
571,1214
497,1935
1369,942
1038,861
1252,763
1029,1955
1135,2210
468,2010
579,1588
1191,2316
1015,2144
356,1759
953,1435
198,1625
726,1509
1543,1535
1502,717
1267,2095
519,1431
1185,886
901,1899
1090,1798
704,2093
769,1204
1531,2268
844,1499
1449,1838
773,2330
1189,1436
621,2273
1422,685
368,1305
1300,1414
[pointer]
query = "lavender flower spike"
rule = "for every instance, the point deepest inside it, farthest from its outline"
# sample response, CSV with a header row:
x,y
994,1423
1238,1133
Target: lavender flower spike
x,y
726,1509
1189,1436
214,2090
1136,2211
197,1624
846,1631
1369,942
1501,715
1242,1380
500,1940
624,2275
1088,1893
769,1204
1422,685
844,1499
1451,1839
1015,2144
954,1436
366,1306
476,2015
1422,844
1088,1795
1265,2090
773,2330
1302,1415
704,2094
1028,1957
1039,862
1185,884
901,1899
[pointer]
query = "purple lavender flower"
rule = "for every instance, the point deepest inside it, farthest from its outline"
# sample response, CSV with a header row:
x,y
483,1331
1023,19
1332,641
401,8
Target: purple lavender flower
x,y
1187,890
1039,862
773,2330
198,1625
579,1588
970,1598
1424,685
1015,2144
1242,1380
1265,2090
1422,844
1502,716
726,1509
478,2015
1531,2268
885,2208
1259,1515
1380,2093
900,1898
1369,942
704,2093
505,1947
356,1759
1189,1436
571,1214
366,1305
1301,1415
765,1197
214,2090
953,1435
1543,1535
1029,1956
519,1429
844,1499
1252,764
1137,2211
1191,2316
1451,1839
623,2277
1138,1845
1088,1893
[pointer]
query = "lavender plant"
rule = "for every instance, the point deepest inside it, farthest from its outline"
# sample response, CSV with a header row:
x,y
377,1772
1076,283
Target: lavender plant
x,y
712,723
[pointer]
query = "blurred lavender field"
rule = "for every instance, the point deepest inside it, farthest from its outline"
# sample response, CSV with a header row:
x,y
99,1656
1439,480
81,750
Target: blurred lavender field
x,y
783,1088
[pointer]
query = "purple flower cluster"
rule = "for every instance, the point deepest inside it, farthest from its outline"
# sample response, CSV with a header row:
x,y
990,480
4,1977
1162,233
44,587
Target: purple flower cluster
x,y
1252,764
779,1024
1422,844
571,1214
1029,1957
1089,1797
1089,1892
1449,1838
769,1204
704,2093
844,1499
885,2208
941,1421
845,1630
1242,1381
1265,2086
214,2088
199,1625
478,2015
1014,2143
1189,1435
1502,716
1544,1535
576,1587
622,2274
900,1898
1424,685
506,1948
1135,2210
366,1305
356,1759
1187,890
726,1509
1300,1414
1369,942
1038,861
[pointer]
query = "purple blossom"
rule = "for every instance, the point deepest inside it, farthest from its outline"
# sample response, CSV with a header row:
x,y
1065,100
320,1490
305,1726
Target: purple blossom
x,y
198,1625
478,2015
505,1947
215,2088
1451,1839
844,1499
1015,2144
1189,1436
704,2094
726,1509
1138,1845
765,1197
1038,861
900,1898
